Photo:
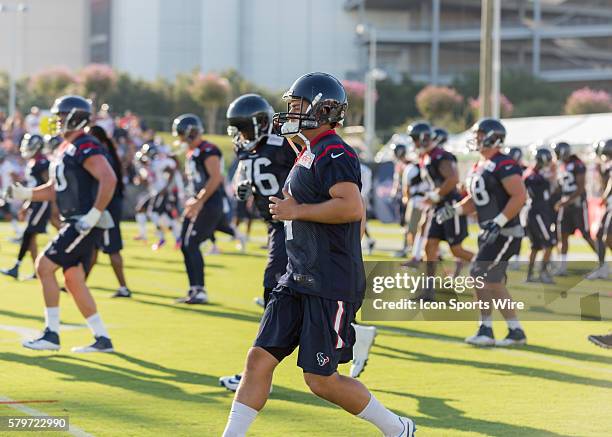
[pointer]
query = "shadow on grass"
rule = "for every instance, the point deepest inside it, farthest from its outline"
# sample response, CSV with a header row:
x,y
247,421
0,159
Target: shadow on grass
x,y
22,316
510,369
78,369
439,415
580,356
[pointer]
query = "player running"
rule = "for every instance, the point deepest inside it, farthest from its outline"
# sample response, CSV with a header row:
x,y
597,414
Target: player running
x,y
540,216
204,209
572,209
37,213
439,169
496,194
83,182
324,283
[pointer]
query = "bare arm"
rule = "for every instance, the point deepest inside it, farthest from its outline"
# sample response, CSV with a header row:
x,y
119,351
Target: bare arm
x,y
101,170
345,206
467,205
44,192
448,170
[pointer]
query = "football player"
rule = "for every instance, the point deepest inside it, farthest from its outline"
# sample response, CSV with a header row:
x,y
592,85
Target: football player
x,y
440,136
540,216
400,152
439,168
204,209
83,182
604,232
111,242
37,213
572,209
496,194
264,161
323,286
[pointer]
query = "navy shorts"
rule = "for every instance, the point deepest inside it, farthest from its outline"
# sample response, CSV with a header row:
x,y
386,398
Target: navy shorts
x,y
453,231
203,227
541,231
70,248
111,241
38,217
574,217
320,327
491,260
277,255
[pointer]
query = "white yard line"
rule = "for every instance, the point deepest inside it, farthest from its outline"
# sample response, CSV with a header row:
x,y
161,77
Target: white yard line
x,y
73,430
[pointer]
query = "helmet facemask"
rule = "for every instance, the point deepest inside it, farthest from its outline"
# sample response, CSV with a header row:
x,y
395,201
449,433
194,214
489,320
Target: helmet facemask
x,y
247,135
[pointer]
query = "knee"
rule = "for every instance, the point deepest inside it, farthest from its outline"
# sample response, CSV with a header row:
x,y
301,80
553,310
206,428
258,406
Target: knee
x,y
456,250
44,267
320,385
259,362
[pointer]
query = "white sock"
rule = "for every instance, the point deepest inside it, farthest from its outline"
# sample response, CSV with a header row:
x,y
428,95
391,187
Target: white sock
x,y
240,418
18,263
486,321
97,326
141,219
385,420
52,318
417,247
513,324
15,226
176,229
563,258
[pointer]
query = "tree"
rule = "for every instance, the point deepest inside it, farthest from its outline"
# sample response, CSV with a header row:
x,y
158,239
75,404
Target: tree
x,y
97,82
356,94
588,101
438,102
395,104
505,105
46,86
211,91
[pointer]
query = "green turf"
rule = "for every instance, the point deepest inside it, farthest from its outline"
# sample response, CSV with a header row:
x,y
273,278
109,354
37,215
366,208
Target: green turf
x,y
163,379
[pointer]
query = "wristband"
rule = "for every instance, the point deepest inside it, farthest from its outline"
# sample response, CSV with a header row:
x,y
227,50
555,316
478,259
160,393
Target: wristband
x,y
501,220
434,196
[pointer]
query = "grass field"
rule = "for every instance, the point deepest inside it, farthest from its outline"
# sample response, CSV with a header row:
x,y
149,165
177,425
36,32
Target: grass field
x,y
163,379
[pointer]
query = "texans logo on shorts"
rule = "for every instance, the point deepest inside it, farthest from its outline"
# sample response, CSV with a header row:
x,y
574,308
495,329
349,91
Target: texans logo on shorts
x,y
322,359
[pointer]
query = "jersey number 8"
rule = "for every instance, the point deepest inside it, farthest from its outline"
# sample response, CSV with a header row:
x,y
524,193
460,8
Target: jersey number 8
x,y
478,190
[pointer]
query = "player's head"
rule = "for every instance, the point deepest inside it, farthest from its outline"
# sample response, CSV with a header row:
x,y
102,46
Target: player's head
x,y
399,150
604,150
440,136
421,135
515,153
249,120
148,152
488,133
31,145
543,158
562,150
72,113
313,101
52,142
187,128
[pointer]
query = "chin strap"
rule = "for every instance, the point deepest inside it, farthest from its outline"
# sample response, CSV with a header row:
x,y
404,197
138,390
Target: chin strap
x,y
306,140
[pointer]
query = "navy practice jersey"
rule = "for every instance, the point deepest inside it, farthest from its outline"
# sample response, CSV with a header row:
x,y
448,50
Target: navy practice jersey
x,y
197,175
430,171
568,172
76,189
539,191
484,184
324,259
36,171
266,168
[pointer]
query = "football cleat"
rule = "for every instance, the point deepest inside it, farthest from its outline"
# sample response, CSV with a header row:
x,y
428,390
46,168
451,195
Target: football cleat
x,y
515,337
364,339
403,253
13,272
123,292
199,298
102,344
259,301
604,341
161,243
184,298
601,272
546,278
48,341
242,242
484,337
561,271
230,382
409,427
371,244
531,278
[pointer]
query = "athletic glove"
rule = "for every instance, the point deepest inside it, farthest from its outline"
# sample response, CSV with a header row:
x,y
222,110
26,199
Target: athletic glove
x,y
445,213
490,232
18,192
88,221
244,190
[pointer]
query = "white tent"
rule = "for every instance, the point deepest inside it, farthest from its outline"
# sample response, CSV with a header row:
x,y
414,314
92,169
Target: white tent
x,y
578,130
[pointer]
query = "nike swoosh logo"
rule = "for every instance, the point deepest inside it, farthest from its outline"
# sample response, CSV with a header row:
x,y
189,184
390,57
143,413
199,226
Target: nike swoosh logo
x,y
335,156
508,167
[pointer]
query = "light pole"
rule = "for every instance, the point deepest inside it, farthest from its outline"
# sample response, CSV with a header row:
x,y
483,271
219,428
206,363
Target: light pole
x,y
372,75
20,9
